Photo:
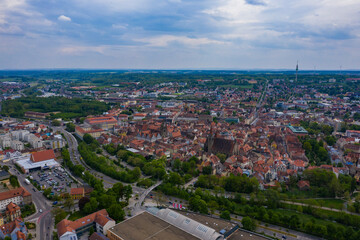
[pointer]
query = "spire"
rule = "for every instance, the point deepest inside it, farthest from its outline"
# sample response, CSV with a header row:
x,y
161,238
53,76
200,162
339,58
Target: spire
x,y
297,68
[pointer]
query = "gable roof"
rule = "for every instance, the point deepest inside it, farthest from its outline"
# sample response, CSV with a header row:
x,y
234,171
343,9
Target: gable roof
x,y
43,155
101,217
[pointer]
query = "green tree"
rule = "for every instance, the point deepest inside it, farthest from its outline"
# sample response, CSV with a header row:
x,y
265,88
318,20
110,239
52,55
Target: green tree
x,y
88,138
116,212
225,215
207,170
222,157
14,181
70,127
248,224
198,205
69,203
55,123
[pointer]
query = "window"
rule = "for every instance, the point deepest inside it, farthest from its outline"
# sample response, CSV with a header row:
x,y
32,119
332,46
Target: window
x,y
202,228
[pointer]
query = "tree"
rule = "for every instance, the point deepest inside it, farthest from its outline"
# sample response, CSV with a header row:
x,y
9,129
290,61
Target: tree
x,y
248,224
82,202
207,170
88,138
116,212
70,127
5,168
69,203
225,215
222,157
14,181
91,206
91,231
56,123
307,146
198,205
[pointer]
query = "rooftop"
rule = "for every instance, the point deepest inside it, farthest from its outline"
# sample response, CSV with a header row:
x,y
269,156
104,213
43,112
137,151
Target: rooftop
x,y
147,226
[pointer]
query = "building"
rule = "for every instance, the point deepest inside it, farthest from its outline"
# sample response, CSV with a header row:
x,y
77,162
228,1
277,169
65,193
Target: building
x,y
71,230
18,196
162,224
77,193
80,131
12,212
101,122
16,230
297,130
17,145
36,115
38,160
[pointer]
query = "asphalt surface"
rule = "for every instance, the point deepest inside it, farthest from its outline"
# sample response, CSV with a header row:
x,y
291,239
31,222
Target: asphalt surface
x,y
44,220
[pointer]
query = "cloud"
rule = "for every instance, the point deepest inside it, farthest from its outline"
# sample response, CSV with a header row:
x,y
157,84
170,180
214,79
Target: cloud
x,y
166,40
64,18
256,2
77,50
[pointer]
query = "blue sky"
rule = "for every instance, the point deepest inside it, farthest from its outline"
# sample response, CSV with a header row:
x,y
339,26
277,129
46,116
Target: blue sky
x,y
180,34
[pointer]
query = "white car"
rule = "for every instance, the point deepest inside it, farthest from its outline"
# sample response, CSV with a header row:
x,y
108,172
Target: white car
x,y
40,210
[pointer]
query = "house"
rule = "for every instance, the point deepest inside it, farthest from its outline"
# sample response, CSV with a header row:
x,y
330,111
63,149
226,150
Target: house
x,y
71,230
38,160
303,185
19,196
12,211
77,193
16,230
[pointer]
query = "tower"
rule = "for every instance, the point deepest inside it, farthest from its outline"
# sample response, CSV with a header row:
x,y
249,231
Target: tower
x,y
297,68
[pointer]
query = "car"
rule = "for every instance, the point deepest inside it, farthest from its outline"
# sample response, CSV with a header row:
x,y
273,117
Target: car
x,y
34,190
40,210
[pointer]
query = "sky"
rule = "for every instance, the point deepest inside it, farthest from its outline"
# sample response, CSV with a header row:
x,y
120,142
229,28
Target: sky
x,y
180,34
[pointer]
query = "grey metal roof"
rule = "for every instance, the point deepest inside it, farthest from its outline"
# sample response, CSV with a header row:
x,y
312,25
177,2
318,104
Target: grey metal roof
x,y
186,224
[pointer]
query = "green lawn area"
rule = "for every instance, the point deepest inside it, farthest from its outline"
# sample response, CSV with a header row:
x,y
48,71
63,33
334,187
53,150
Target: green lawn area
x,y
304,218
76,215
329,203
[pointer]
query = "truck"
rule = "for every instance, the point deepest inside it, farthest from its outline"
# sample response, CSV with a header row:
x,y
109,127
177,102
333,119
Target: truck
x,y
27,181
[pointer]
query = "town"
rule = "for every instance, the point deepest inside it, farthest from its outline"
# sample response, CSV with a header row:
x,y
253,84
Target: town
x,y
91,155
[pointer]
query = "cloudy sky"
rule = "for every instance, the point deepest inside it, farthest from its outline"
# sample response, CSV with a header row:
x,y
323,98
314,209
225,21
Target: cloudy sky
x,y
180,34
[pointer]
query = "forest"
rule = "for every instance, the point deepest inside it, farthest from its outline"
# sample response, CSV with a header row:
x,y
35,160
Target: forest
x,y
62,107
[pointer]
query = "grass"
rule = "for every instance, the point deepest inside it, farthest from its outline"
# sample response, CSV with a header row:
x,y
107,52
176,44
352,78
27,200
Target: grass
x,y
304,218
76,215
329,203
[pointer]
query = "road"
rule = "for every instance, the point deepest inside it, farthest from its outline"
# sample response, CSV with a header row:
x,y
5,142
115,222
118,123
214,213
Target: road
x,y
260,103
136,205
44,220
75,158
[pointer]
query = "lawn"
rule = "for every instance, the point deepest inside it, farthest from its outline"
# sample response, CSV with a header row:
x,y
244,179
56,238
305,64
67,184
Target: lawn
x,y
329,203
76,215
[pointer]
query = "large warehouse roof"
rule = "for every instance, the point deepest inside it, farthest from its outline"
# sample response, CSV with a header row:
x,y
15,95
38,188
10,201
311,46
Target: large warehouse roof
x,y
186,224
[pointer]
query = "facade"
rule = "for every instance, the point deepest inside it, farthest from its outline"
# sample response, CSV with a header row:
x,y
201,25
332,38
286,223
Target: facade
x,y
71,230
18,196
82,130
36,115
101,122
77,193
12,212
38,160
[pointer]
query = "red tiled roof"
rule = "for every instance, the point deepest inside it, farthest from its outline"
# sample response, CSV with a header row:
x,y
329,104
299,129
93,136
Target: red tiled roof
x,y
43,155
14,193
101,217
76,191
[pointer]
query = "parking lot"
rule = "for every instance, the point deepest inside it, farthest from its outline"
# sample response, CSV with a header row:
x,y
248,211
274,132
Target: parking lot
x,y
57,179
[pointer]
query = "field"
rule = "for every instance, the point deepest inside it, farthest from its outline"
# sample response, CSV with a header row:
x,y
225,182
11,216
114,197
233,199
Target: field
x,y
329,203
